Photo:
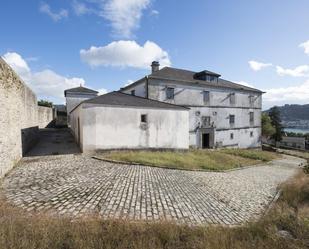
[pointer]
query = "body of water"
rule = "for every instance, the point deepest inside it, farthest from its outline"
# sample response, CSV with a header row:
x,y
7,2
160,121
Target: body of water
x,y
296,130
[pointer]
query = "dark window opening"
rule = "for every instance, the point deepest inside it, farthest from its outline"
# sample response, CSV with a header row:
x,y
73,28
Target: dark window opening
x,y
133,92
251,133
232,119
144,118
232,98
206,97
232,136
251,118
170,93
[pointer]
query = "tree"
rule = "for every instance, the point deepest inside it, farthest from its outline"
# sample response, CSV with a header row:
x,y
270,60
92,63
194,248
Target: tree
x,y
274,115
267,128
45,103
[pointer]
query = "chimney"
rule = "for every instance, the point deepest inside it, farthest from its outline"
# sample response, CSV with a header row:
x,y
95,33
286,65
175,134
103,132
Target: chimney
x,y
155,66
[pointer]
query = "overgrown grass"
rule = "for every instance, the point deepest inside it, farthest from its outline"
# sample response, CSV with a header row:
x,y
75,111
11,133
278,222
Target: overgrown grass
x,y
21,231
260,155
297,153
195,159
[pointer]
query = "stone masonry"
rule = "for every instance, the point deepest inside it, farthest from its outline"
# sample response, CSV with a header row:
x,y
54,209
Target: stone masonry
x,y
75,185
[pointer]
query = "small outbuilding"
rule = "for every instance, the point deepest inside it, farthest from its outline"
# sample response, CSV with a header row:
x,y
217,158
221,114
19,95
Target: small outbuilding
x,y
121,121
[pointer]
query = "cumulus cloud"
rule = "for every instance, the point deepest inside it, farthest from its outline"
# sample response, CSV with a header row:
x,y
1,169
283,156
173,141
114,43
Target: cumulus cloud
x,y
55,16
257,66
47,83
124,15
292,94
300,71
305,46
125,54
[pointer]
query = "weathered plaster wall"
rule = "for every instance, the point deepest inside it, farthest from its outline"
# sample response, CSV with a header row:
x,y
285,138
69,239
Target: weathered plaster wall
x,y
140,89
218,109
105,127
18,118
45,116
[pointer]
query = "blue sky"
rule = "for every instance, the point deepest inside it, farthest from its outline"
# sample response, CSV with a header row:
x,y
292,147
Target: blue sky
x,y
261,43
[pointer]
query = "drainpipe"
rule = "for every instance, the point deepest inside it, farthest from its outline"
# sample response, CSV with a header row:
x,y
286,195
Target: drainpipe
x,y
147,89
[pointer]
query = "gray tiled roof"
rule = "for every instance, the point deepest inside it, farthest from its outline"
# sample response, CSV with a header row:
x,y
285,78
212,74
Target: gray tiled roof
x,y
188,76
80,89
123,99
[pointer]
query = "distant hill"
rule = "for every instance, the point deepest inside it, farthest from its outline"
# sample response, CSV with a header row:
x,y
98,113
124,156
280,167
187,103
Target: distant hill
x,y
294,112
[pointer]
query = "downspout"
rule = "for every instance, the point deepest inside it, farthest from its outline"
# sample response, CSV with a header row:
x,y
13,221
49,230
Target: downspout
x,y
147,89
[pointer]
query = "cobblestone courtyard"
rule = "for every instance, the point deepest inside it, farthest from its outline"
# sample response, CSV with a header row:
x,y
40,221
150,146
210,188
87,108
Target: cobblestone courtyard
x,y
76,185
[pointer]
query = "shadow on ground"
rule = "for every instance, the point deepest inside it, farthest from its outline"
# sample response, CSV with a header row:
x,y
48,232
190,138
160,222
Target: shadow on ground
x,y
54,142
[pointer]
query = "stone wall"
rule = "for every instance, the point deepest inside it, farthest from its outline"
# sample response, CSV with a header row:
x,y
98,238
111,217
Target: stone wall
x,y
45,116
18,118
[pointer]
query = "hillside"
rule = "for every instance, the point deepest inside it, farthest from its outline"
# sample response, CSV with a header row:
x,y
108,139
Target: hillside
x,y
294,112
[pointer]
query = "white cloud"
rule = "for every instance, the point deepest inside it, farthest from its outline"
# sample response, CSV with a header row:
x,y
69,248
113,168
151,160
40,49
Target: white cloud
x,y
257,66
81,8
244,83
154,13
56,16
305,46
124,15
102,91
292,94
299,71
46,84
125,54
129,82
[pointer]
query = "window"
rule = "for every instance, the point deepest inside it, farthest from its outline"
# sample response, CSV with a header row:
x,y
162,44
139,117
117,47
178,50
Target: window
x,y
170,93
251,133
251,99
144,118
211,78
205,121
206,97
232,136
232,99
251,118
232,120
133,92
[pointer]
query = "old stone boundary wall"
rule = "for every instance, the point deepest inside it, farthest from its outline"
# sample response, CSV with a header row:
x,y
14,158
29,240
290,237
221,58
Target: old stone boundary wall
x,y
20,117
45,116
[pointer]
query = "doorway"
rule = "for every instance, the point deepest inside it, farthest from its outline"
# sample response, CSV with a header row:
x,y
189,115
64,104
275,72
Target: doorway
x,y
205,141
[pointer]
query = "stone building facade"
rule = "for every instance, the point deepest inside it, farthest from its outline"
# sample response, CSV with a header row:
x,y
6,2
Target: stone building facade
x,y
121,121
222,113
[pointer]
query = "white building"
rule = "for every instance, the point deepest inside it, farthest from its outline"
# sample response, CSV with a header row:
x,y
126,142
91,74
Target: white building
x,y
75,96
117,120
222,113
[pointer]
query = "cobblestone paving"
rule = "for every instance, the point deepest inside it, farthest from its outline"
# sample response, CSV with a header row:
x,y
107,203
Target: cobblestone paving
x,y
77,185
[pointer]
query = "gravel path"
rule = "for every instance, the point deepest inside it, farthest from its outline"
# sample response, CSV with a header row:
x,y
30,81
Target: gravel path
x,y
77,185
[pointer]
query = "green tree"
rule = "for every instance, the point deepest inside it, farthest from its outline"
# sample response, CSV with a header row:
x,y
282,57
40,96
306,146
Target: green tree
x,y
274,115
267,128
45,103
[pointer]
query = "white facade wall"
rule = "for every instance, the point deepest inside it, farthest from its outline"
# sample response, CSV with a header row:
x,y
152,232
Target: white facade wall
x,y
218,108
72,102
140,89
104,127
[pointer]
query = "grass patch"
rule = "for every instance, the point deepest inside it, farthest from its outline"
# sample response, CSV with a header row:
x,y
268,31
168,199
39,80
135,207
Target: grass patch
x,y
290,213
195,159
297,153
